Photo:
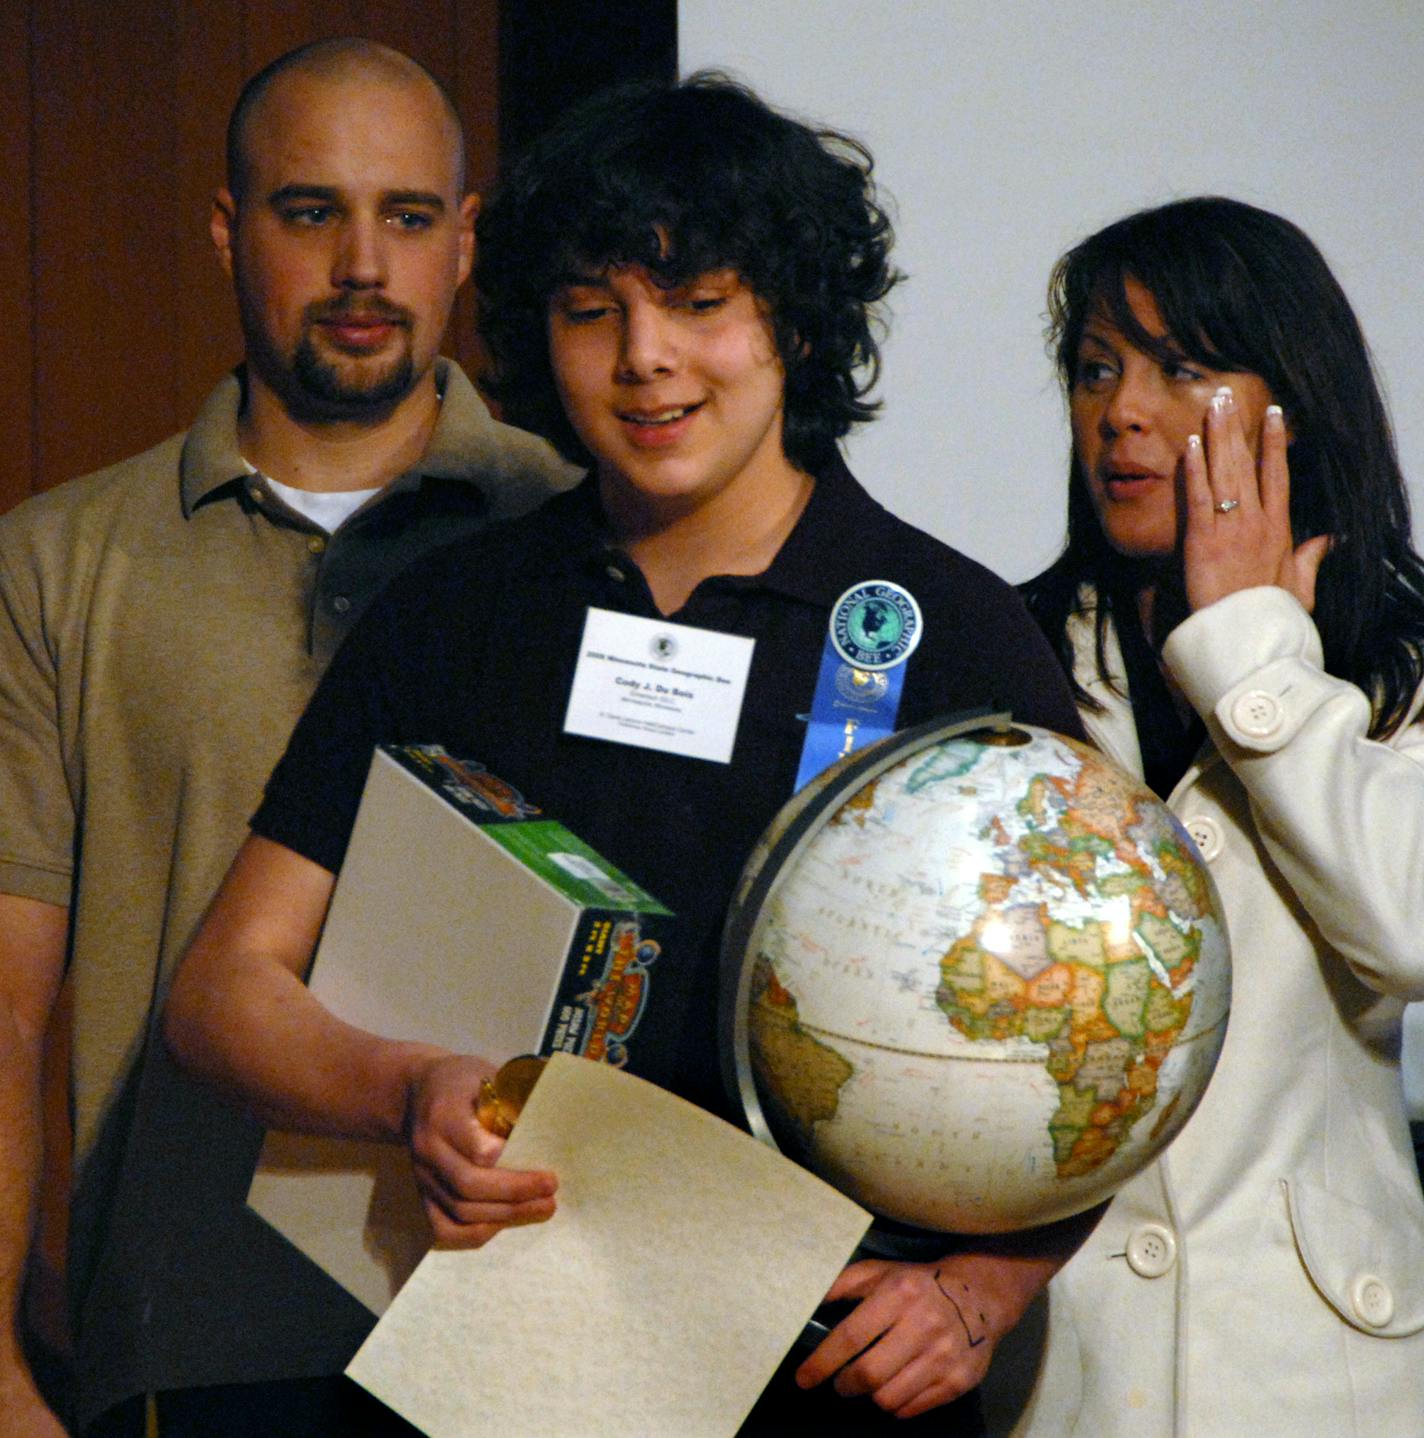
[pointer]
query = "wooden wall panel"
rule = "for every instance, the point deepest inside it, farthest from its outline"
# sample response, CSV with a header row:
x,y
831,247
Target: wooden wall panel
x,y
475,88
210,66
273,29
16,313
104,245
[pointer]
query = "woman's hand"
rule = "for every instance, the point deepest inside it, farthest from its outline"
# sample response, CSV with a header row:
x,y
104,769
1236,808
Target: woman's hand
x,y
1238,532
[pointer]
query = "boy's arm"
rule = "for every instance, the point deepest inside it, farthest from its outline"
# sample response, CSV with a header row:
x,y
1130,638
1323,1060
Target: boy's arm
x,y
241,1017
925,1332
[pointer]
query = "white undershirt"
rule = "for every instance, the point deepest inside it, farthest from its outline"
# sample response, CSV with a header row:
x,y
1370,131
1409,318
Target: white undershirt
x,y
327,509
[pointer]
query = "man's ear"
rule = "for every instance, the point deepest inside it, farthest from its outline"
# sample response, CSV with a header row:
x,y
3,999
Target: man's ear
x,y
221,225
469,210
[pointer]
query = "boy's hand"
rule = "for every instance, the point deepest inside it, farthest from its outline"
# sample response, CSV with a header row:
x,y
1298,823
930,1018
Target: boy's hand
x,y
466,1198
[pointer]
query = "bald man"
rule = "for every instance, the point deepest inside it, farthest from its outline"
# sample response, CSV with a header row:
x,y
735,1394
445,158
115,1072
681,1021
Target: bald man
x,y
161,626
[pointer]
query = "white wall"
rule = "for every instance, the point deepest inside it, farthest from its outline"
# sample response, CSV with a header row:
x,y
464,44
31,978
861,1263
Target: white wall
x,y
1007,130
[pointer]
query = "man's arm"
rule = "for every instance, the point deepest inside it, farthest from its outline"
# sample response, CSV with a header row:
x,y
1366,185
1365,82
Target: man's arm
x,y
241,1017
32,946
924,1332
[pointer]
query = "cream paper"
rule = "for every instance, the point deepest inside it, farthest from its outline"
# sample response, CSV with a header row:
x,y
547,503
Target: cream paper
x,y
681,1263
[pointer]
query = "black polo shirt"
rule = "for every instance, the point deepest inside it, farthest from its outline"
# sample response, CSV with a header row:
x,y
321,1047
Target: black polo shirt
x,y
475,647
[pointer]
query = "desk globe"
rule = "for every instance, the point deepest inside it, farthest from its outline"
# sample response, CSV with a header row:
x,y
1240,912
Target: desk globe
x,y
976,977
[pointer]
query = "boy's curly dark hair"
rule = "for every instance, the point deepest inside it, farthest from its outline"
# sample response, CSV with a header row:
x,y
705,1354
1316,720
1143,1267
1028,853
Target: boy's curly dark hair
x,y
681,179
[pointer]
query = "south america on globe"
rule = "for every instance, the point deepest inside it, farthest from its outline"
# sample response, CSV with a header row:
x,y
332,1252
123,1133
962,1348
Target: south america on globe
x,y
980,977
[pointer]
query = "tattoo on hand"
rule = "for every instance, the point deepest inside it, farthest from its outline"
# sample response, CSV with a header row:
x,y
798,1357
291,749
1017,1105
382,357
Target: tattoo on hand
x,y
954,1304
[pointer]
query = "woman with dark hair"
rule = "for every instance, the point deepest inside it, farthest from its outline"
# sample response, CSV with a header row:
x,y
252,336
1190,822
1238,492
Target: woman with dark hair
x,y
678,286
1242,616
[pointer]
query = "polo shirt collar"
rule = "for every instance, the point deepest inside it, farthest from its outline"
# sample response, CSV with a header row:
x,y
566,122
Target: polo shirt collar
x,y
817,563
467,444
211,457
573,528
820,559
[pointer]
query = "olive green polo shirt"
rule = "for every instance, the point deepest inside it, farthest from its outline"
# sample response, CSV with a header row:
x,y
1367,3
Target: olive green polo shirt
x,y
162,624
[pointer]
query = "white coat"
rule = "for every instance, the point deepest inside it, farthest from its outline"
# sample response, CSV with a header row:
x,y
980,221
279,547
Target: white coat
x,y
1266,1275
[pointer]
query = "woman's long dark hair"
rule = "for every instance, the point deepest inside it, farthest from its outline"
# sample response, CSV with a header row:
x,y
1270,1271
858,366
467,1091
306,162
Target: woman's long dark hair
x,y
1239,288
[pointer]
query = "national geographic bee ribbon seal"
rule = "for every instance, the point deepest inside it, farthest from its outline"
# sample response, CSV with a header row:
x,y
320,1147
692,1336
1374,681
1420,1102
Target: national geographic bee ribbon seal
x,y
874,629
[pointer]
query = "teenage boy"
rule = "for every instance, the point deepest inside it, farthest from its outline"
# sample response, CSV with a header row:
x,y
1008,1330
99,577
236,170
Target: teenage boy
x,y
678,287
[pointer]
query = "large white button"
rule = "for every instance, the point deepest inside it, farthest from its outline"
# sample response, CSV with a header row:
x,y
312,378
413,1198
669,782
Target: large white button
x,y
1205,833
1151,1250
1257,714
1372,1301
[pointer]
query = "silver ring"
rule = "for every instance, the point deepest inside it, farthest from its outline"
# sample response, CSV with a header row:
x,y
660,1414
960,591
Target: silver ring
x,y
1225,506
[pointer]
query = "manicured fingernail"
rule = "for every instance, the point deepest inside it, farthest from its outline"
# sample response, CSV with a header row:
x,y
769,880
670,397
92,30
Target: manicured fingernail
x,y
1194,443
1274,412
1221,400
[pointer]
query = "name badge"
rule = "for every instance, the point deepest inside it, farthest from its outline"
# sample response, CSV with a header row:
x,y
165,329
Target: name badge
x,y
875,627
657,685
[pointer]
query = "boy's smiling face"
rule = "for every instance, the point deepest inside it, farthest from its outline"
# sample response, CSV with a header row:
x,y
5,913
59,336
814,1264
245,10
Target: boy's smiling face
x,y
677,392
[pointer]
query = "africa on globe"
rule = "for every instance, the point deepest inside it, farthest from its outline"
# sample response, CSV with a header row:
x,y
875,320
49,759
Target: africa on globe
x,y
978,977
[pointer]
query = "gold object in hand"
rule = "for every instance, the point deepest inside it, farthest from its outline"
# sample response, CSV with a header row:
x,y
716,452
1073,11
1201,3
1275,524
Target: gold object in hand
x,y
502,1098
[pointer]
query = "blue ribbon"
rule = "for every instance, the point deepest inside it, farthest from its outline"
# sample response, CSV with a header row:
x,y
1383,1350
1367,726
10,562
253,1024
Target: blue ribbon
x,y
851,708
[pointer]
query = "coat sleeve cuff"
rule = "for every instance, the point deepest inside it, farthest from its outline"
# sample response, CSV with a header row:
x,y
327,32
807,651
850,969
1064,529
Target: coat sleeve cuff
x,y
1253,663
